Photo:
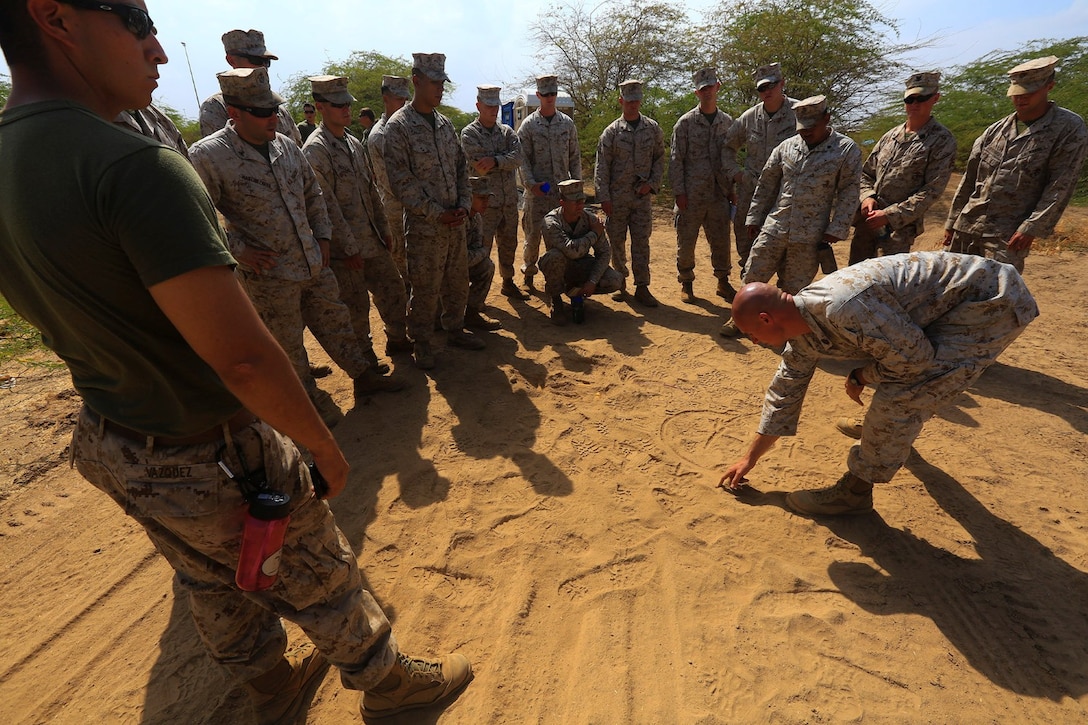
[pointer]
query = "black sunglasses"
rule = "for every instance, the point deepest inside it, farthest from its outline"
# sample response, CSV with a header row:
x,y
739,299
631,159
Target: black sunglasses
x,y
258,60
258,112
548,95
918,99
764,87
339,105
136,20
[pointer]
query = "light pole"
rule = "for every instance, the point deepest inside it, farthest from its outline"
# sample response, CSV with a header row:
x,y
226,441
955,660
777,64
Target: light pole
x,y
191,76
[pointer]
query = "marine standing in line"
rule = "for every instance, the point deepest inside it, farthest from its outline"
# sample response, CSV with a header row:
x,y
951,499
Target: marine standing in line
x,y
359,255
630,165
1021,174
244,49
493,150
906,172
806,195
701,185
549,145
429,176
758,131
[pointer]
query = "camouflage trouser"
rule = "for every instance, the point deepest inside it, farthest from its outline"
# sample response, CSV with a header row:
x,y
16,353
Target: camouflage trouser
x,y
562,274
193,515
989,247
378,277
866,244
394,215
966,340
501,225
635,214
795,264
287,307
744,190
532,224
437,268
479,284
713,216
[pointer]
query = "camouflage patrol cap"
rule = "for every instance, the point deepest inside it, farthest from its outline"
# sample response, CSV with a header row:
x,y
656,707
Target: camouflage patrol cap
x,y
770,73
248,87
479,186
547,84
432,65
631,90
488,95
397,86
246,42
1031,76
571,190
704,77
810,111
331,89
923,83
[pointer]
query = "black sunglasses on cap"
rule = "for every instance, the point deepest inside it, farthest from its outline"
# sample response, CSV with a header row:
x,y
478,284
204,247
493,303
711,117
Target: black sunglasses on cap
x,y
136,20
918,99
258,112
258,60
764,87
548,95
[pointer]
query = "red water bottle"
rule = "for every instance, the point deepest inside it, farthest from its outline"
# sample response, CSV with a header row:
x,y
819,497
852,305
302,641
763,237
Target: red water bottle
x,y
262,540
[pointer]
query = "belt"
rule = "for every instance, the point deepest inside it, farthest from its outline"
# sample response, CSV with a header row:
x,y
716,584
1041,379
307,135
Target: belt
x,y
236,422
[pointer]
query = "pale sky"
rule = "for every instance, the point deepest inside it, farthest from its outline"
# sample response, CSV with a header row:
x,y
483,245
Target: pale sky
x,y
486,41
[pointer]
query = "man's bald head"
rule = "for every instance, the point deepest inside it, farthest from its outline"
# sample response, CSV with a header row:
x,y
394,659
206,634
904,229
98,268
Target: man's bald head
x,y
767,314
753,298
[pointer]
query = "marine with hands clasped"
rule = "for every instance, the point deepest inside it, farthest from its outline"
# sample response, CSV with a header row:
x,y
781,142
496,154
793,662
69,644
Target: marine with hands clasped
x,y
630,165
1021,173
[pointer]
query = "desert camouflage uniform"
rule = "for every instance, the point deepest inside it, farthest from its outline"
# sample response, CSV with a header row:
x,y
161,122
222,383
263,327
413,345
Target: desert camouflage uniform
x,y
928,324
501,218
481,270
358,227
394,211
550,153
428,174
1017,181
277,206
695,170
213,116
575,255
193,514
153,123
802,195
758,133
629,156
906,172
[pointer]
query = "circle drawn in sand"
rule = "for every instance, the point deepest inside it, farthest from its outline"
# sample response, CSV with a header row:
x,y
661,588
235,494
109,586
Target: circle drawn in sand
x,y
703,438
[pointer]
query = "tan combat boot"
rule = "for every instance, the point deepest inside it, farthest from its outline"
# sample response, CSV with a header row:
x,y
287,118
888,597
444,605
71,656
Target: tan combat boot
x,y
850,495
414,682
282,695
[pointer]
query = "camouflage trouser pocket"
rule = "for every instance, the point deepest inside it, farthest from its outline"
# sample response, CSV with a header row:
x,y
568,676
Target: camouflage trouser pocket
x,y
173,489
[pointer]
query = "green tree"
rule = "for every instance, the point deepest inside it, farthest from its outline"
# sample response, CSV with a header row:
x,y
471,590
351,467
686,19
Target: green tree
x,y
189,127
593,50
5,89
843,49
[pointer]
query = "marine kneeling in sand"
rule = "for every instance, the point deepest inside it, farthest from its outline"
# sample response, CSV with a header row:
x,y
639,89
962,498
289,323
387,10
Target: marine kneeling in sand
x,y
577,253
928,323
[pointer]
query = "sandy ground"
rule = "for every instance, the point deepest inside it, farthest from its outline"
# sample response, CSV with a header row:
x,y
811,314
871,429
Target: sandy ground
x,y
548,508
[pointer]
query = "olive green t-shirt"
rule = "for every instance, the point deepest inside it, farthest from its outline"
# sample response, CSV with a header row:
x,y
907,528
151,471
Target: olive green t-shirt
x,y
90,217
